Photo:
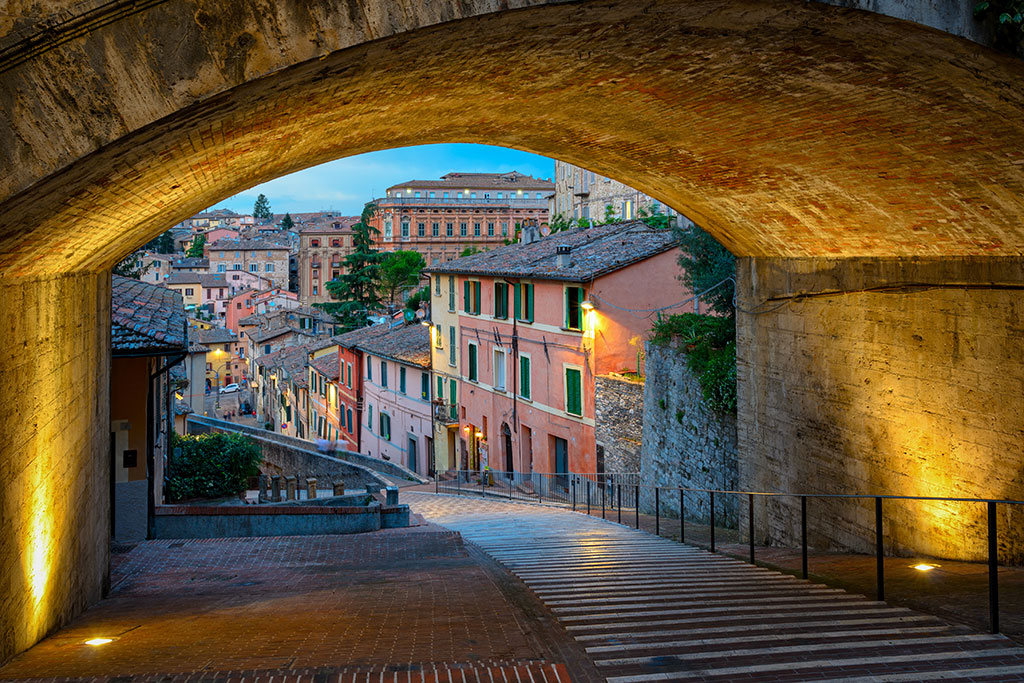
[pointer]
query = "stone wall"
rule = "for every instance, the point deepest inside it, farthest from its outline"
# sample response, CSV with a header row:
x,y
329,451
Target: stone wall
x,y
684,442
897,376
619,406
54,453
287,457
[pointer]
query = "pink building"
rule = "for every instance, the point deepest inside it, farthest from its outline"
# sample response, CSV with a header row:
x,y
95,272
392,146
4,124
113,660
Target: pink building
x,y
534,324
396,396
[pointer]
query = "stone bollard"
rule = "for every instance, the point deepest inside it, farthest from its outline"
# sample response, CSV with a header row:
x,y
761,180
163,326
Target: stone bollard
x,y
263,486
392,495
291,493
275,488
339,488
310,488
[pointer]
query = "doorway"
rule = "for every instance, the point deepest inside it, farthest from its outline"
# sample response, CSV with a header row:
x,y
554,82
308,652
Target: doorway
x,y
412,453
506,440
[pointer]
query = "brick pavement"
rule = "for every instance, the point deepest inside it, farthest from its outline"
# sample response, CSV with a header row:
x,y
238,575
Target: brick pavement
x,y
405,604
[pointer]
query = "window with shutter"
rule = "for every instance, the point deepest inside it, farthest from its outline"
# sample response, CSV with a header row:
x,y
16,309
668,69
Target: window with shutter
x,y
524,377
472,362
476,297
467,305
440,387
573,392
401,379
573,310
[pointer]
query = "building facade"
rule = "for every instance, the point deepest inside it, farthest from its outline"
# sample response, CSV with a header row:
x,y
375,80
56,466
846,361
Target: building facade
x,y
537,323
579,193
266,258
441,218
323,246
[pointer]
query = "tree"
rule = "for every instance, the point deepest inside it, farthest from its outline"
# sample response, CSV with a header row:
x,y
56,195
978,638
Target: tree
x,y
399,270
470,250
287,223
163,244
655,218
261,209
355,291
705,264
609,214
132,266
417,298
195,250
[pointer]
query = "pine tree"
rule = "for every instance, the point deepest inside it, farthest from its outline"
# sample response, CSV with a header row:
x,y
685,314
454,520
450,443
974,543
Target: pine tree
x,y
287,223
261,209
355,291
195,250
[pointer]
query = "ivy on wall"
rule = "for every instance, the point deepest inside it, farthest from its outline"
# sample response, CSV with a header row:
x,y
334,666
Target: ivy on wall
x,y
709,343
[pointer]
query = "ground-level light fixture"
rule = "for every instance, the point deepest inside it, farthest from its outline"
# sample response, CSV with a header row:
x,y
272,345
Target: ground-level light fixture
x,y
923,566
96,642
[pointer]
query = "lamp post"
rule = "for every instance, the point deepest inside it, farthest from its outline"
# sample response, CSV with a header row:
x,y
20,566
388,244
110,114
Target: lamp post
x,y
216,375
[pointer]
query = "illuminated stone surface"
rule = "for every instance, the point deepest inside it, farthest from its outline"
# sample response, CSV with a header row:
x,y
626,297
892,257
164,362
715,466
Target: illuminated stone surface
x,y
787,129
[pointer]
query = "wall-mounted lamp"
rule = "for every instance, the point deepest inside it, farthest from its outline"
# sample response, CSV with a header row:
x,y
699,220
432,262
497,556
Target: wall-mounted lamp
x,y
587,305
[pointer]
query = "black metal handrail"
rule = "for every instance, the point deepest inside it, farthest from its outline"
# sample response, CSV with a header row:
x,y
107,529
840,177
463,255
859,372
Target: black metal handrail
x,y
561,488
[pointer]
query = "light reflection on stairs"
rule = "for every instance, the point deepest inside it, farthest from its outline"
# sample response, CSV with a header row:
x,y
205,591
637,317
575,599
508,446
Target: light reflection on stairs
x,y
647,608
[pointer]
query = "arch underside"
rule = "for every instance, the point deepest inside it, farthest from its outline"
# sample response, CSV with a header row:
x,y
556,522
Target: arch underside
x,y
785,129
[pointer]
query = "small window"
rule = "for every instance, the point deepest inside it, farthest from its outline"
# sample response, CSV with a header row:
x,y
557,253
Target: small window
x,y
449,227
437,285
266,348
435,229
501,300
383,373
463,229
438,337
573,308
348,369
573,392
523,302
471,296
335,243
524,377
451,345
472,363
269,268
440,388
425,386
476,230
490,229
433,195
445,196
421,229
385,426
401,379
369,369
499,369
451,292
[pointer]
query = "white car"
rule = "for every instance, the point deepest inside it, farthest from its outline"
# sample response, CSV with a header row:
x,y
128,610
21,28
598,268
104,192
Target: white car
x,y
229,388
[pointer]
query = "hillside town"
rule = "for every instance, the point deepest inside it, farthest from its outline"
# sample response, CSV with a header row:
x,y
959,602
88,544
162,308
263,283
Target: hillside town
x,y
498,304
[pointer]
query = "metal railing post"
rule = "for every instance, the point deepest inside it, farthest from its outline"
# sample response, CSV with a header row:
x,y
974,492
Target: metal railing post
x,y
657,511
682,516
803,535
619,486
712,522
572,485
879,560
636,504
993,569
750,524
604,489
437,482
588,497
458,482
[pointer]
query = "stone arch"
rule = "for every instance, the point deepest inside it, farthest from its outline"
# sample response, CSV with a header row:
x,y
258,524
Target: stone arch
x,y
785,128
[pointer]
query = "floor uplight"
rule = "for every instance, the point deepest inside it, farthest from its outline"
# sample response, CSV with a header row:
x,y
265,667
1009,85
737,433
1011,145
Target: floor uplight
x,y
99,641
924,567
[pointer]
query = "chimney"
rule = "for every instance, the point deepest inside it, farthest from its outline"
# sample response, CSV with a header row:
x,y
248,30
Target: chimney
x,y
529,232
562,252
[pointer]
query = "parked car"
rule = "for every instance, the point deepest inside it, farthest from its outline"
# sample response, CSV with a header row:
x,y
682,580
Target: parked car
x,y
229,388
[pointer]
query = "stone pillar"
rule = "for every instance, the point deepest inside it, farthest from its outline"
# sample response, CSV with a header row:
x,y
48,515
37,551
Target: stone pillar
x,y
339,487
275,488
887,376
392,495
290,486
263,484
311,488
54,452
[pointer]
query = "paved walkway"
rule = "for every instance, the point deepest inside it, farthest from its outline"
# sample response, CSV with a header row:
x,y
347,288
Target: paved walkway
x,y
647,608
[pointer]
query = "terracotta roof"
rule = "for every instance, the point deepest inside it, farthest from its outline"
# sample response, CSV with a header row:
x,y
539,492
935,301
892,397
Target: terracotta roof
x,y
406,344
326,365
205,279
181,408
497,181
287,314
326,224
216,335
260,336
230,244
190,262
592,252
145,318
292,359
350,340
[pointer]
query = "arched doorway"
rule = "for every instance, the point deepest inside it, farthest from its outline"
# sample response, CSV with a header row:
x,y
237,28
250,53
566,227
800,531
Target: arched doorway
x,y
506,443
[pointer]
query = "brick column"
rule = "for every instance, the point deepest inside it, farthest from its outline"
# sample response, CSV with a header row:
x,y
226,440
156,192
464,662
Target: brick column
x,y
902,376
54,452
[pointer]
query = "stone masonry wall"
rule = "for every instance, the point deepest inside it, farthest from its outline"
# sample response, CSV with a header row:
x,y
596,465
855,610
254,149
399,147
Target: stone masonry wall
x,y
619,407
684,442
54,453
896,376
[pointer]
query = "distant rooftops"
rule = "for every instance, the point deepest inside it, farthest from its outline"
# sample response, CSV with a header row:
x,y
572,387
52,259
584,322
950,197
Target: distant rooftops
x,y
216,335
326,365
146,319
587,254
405,343
513,180
243,244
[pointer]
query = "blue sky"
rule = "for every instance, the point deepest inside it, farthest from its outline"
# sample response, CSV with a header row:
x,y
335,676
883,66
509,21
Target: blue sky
x,y
346,184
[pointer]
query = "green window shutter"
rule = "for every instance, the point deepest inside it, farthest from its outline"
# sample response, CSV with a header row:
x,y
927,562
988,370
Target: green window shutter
x,y
472,362
573,392
497,300
440,387
524,377
401,379
517,301
425,386
529,303
476,297
465,296
453,410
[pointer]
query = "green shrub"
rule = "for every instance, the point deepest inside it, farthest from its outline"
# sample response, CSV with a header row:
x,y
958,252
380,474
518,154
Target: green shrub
x,y
211,465
710,345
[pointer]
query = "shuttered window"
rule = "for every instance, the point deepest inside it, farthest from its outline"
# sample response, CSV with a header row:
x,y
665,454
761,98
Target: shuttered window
x,y
472,362
573,392
524,377
523,302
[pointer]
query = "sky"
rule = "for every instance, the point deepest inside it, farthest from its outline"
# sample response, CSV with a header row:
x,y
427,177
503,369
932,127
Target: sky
x,y
345,185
